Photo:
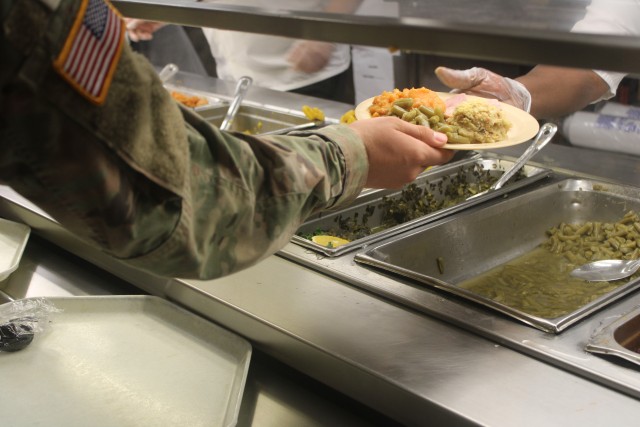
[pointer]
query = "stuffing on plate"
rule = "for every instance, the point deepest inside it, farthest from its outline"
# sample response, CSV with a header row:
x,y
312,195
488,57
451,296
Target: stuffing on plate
x,y
483,123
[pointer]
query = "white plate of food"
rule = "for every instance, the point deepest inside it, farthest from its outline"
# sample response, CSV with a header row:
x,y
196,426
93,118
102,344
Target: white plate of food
x,y
523,126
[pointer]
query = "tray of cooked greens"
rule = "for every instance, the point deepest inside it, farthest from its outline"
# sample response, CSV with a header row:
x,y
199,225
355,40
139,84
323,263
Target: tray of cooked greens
x,y
434,194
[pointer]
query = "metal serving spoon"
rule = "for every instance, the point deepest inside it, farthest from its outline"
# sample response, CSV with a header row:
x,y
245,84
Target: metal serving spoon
x,y
241,90
545,134
606,270
168,72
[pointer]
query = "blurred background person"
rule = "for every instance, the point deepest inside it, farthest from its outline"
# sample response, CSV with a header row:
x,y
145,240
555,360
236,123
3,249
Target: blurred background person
x,y
308,67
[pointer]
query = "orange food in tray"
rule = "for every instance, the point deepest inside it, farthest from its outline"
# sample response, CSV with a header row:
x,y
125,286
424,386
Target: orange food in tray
x,y
382,103
189,100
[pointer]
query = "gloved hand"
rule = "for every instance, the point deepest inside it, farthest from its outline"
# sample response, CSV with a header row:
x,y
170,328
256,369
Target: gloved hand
x,y
482,82
310,56
141,30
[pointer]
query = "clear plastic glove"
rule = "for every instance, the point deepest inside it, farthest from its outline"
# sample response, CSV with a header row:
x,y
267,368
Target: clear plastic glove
x,y
141,30
310,56
398,151
487,84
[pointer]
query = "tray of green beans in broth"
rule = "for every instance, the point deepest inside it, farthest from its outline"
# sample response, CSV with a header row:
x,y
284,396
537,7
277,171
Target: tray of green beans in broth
x,y
515,255
434,194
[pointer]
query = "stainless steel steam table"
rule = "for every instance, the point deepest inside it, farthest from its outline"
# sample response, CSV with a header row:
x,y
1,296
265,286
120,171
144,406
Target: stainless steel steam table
x,y
413,367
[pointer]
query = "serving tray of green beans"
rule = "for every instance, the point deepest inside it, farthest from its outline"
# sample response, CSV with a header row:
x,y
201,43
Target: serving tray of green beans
x,y
515,255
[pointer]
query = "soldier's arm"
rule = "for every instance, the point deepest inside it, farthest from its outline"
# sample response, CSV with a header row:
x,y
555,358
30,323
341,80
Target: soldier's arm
x,y
117,162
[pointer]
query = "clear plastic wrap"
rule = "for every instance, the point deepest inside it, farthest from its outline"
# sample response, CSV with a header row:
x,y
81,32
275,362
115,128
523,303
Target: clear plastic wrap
x,y
603,132
20,320
622,110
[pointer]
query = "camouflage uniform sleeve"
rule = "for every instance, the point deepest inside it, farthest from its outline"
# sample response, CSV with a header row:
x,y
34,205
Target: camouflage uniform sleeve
x,y
144,179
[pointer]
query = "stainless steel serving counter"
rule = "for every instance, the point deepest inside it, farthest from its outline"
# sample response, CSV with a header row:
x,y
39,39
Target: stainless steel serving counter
x,y
414,366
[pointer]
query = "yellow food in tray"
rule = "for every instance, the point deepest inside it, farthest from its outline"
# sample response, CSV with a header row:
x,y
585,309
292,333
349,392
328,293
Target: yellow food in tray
x,y
329,241
348,117
314,114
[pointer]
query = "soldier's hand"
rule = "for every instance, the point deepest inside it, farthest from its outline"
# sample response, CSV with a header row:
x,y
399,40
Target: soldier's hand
x,y
398,151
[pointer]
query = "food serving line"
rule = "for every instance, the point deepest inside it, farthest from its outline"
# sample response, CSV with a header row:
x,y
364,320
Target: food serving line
x,y
417,354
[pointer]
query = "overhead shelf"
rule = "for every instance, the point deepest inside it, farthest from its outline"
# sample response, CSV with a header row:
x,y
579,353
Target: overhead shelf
x,y
525,32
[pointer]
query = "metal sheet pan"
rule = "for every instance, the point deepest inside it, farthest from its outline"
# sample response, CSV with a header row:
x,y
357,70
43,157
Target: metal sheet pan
x,y
472,243
13,240
255,119
209,100
125,361
252,117
437,182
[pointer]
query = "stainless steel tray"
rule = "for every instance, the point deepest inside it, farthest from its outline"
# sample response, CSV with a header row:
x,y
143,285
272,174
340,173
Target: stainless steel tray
x,y
472,243
620,338
125,361
13,241
211,100
255,119
437,183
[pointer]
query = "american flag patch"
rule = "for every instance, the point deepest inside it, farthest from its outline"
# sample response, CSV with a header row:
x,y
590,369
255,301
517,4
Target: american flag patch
x,y
90,54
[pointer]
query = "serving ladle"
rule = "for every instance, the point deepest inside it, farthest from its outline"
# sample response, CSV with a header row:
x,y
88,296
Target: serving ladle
x,y
545,134
606,270
167,72
242,87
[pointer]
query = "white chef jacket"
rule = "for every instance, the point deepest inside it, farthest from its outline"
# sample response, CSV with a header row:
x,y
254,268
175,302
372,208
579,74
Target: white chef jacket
x,y
620,17
264,58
